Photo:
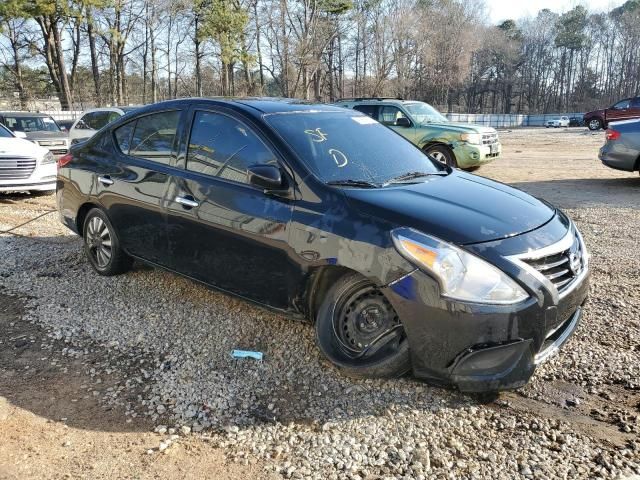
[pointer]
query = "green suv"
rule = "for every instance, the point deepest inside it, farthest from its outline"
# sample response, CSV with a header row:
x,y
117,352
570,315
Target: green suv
x,y
459,145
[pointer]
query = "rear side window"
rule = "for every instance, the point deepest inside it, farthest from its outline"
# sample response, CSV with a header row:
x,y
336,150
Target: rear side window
x,y
153,136
123,136
635,103
367,110
222,146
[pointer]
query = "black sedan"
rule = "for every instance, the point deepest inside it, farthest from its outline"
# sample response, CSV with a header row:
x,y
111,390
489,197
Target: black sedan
x,y
322,213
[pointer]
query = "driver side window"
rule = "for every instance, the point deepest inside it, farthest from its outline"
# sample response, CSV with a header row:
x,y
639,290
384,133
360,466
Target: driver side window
x,y
389,115
623,105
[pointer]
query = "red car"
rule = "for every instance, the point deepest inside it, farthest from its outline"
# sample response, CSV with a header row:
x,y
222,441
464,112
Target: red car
x,y
623,110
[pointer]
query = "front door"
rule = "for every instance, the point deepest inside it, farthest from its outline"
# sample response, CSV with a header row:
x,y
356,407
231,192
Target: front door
x,y
389,114
222,230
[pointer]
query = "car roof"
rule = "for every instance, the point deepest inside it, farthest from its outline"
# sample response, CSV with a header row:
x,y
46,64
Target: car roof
x,y
25,114
252,105
128,108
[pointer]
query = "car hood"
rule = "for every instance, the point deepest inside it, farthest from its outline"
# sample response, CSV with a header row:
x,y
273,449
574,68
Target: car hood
x,y
458,127
44,135
459,208
594,113
20,147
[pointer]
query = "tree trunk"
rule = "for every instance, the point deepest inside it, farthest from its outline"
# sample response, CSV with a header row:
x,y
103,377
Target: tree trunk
x,y
94,57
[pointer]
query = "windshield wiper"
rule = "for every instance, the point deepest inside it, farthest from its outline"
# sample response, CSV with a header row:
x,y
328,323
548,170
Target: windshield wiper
x,y
353,183
411,176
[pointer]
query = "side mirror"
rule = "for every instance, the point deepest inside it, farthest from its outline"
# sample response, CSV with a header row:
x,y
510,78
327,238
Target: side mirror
x,y
403,122
19,134
81,125
268,177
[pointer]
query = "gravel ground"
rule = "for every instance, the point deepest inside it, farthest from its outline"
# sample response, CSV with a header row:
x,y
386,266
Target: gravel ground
x,y
165,345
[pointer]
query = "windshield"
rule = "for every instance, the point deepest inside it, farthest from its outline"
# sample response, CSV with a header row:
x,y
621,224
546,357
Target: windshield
x,y
338,146
424,113
31,124
4,133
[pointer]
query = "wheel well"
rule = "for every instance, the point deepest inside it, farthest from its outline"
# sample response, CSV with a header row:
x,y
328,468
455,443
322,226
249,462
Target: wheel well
x,y
82,213
319,283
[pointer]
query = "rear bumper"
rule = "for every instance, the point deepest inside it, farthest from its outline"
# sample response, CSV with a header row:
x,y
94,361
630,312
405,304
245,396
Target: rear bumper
x,y
618,157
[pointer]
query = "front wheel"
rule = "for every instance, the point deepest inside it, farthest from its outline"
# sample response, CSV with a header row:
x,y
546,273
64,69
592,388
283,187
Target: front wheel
x,y
442,154
101,245
358,330
595,124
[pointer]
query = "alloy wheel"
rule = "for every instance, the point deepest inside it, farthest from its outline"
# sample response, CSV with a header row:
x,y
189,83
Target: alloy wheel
x,y
98,240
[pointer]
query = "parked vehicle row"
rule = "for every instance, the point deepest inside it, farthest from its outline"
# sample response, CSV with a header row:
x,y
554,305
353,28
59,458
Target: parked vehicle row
x,y
401,262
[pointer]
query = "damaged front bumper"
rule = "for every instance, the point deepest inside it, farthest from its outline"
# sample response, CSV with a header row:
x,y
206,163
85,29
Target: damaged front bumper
x,y
480,348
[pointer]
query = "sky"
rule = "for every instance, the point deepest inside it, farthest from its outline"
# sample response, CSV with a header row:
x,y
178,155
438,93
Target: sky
x,y
504,9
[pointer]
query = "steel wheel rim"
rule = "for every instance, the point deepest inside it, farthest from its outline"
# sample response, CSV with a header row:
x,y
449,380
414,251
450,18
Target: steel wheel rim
x,y
99,242
365,325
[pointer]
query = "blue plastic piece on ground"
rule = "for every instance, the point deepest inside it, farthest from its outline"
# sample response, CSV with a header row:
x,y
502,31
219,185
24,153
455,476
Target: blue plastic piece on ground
x,y
246,354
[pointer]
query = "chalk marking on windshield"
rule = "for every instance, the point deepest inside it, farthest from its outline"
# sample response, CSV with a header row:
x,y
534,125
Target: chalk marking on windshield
x,y
338,157
317,135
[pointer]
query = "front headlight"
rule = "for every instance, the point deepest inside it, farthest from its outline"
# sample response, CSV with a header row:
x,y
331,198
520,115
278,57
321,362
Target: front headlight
x,y
48,158
472,138
461,275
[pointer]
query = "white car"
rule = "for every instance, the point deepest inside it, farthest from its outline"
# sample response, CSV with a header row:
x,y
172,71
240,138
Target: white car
x,y
93,120
557,122
24,165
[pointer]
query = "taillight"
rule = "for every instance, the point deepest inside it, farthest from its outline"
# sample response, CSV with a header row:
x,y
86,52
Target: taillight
x,y
64,160
612,134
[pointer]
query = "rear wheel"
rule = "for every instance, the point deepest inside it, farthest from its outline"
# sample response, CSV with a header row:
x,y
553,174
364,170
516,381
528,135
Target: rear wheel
x,y
595,124
101,245
358,330
442,154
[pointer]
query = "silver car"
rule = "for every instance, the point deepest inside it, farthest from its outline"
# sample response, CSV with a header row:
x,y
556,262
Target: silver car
x,y
40,128
622,149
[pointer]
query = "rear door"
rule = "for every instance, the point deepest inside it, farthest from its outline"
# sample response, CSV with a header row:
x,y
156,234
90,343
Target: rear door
x,y
619,111
634,110
133,182
222,230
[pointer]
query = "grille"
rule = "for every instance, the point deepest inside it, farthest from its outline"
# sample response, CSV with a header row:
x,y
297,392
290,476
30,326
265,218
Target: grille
x,y
489,138
561,268
16,168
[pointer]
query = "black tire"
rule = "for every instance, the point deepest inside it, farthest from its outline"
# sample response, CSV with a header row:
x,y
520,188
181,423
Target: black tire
x,y
442,154
354,310
101,245
472,169
595,124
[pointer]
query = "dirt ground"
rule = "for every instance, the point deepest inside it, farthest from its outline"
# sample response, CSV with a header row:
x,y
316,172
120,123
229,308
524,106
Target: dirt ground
x,y
51,426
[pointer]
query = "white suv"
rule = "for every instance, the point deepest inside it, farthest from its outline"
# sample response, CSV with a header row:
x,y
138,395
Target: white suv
x,y
24,165
93,120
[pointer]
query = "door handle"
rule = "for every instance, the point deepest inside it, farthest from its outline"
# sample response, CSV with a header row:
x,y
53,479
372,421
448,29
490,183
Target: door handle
x,y
105,180
187,201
